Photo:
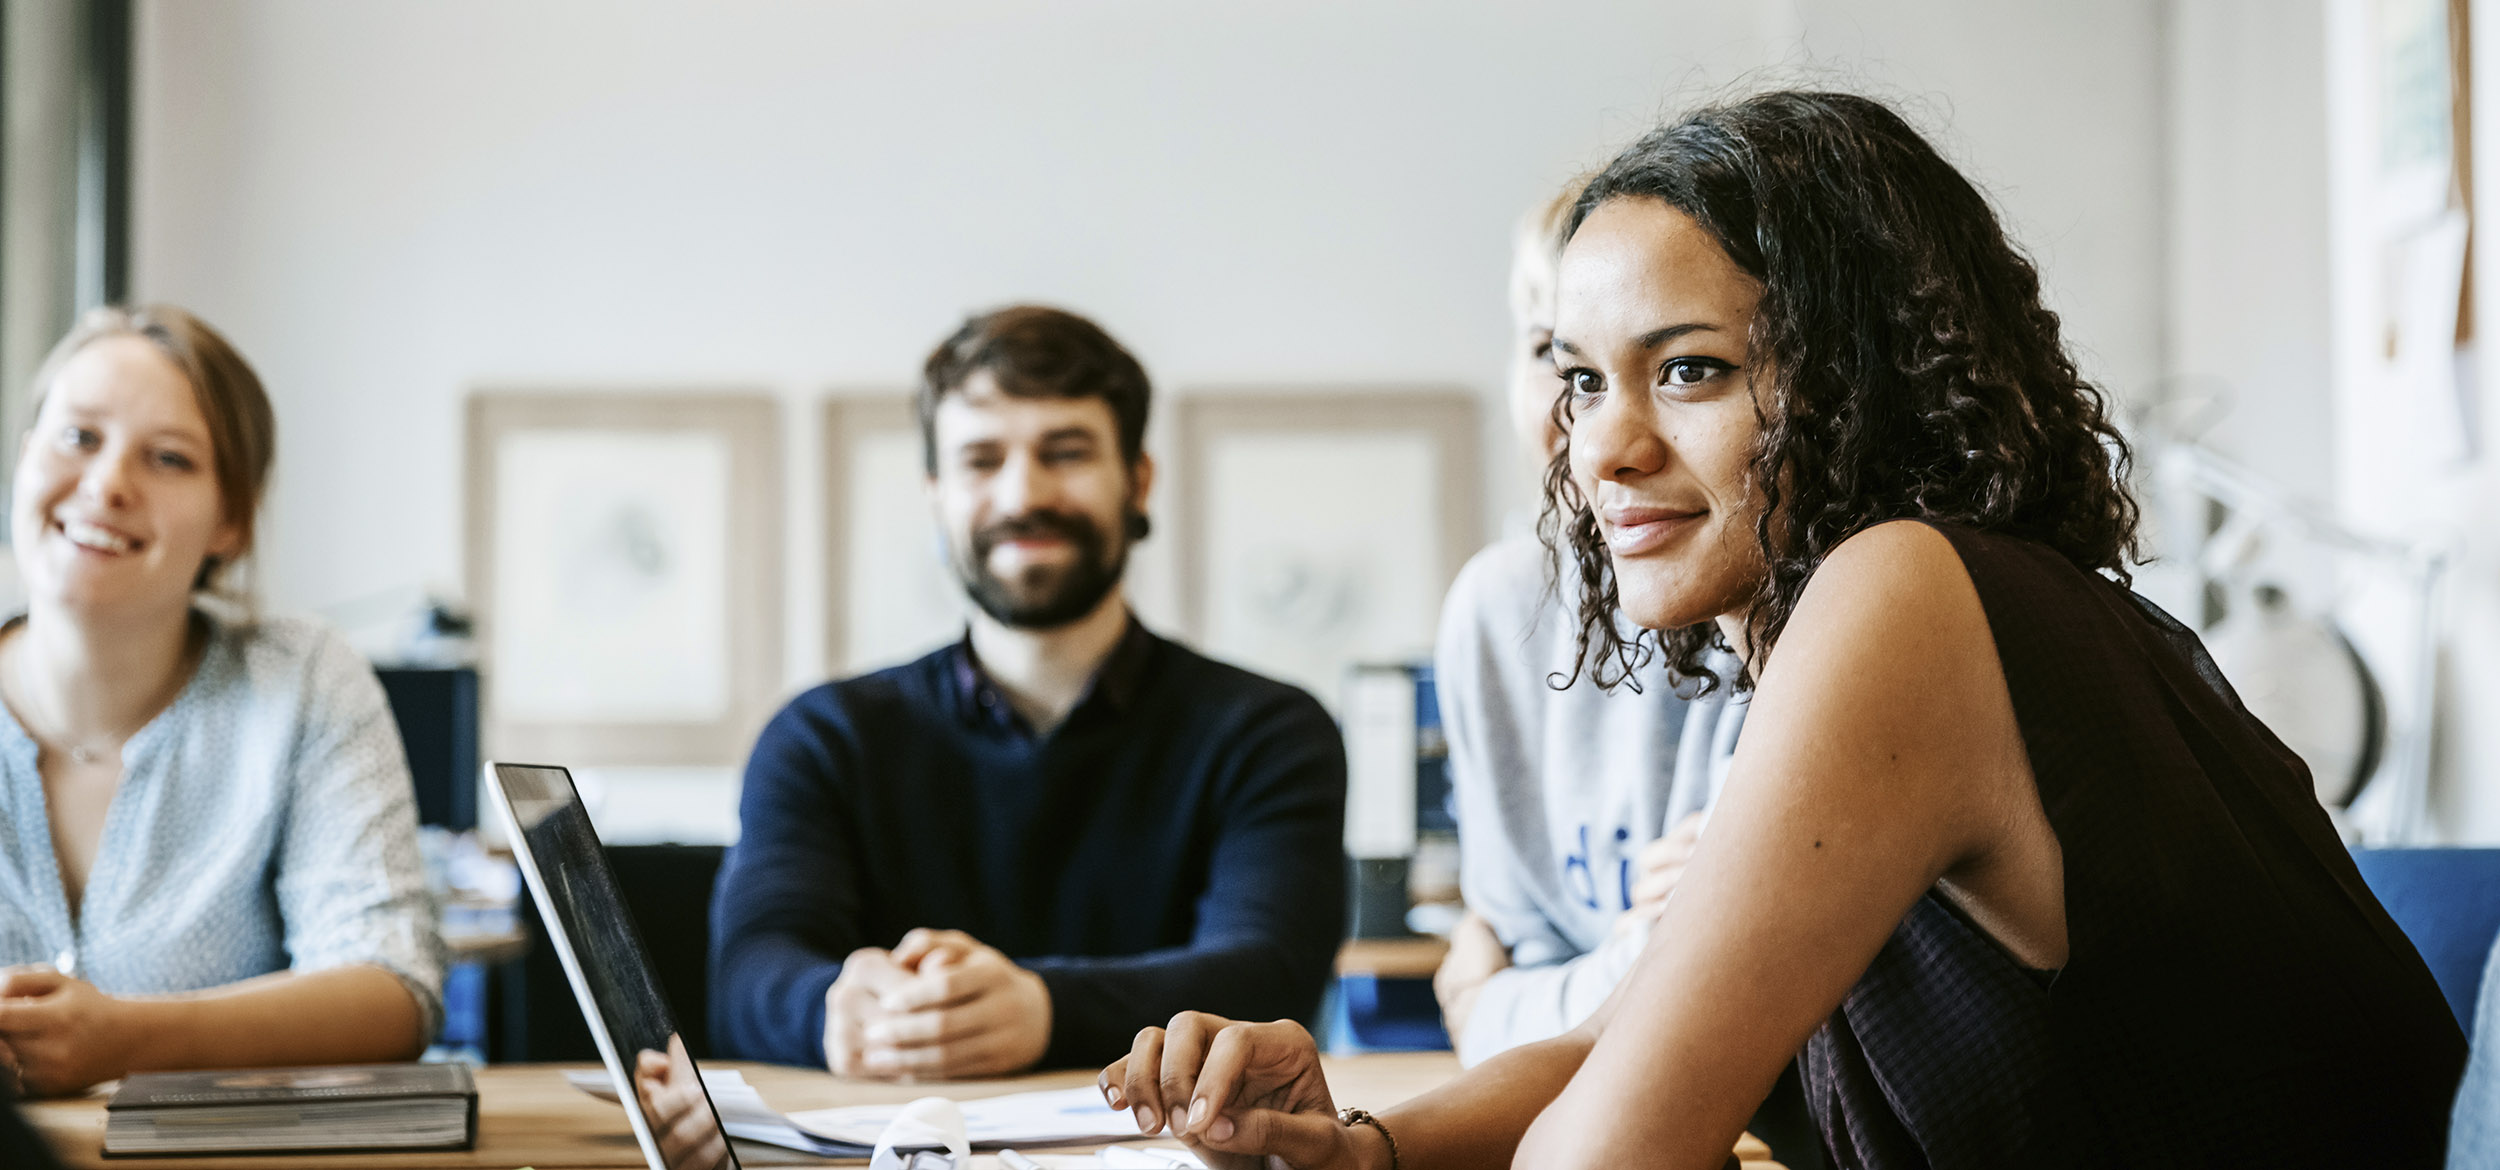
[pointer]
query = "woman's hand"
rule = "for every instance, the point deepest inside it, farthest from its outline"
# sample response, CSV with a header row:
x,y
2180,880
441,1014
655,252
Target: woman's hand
x,y
1476,955
674,1106
1657,871
64,1034
1237,1094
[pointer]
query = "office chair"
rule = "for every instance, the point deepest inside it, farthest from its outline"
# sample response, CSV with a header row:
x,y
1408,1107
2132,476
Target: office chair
x,y
2448,902
668,890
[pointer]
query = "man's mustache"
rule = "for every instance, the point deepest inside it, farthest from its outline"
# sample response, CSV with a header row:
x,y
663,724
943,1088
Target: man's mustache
x,y
1075,529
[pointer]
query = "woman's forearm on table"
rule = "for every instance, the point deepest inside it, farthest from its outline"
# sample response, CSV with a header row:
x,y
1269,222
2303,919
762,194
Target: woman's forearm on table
x,y
345,1015
1477,1120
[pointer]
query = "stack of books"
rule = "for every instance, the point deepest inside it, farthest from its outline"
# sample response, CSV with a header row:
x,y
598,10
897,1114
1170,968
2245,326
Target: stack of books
x,y
336,1109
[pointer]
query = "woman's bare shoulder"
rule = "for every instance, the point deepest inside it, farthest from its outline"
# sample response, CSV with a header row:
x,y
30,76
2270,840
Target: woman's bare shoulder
x,y
1888,667
1894,556
1899,589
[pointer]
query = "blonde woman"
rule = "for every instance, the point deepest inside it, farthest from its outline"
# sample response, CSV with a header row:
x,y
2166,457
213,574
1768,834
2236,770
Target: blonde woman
x,y
207,833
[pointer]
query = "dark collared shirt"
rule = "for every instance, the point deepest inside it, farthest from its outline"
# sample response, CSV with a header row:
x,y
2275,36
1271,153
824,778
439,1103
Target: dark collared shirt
x,y
1109,695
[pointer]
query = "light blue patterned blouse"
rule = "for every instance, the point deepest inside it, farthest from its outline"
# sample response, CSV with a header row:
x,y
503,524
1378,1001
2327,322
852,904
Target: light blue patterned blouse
x,y
265,822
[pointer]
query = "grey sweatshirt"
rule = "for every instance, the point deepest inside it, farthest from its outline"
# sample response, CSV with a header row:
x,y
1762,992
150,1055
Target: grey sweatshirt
x,y
1557,792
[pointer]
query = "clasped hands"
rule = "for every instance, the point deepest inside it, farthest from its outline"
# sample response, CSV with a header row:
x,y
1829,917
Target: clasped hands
x,y
941,1005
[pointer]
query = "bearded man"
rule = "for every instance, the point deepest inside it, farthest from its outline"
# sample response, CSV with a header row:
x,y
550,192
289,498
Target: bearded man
x,y
1024,847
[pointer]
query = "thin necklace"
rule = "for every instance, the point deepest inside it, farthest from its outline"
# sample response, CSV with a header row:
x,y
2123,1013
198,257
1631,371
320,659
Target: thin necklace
x,y
82,754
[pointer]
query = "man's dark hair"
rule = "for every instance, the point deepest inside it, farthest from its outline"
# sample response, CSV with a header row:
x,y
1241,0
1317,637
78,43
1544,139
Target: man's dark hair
x,y
1915,372
1033,351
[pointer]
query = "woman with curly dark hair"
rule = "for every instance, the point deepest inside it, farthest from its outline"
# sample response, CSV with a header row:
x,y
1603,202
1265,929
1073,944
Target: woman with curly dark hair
x,y
2001,861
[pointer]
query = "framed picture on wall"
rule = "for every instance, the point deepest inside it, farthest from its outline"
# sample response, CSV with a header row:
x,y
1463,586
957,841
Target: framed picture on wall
x,y
624,559
1319,529
890,596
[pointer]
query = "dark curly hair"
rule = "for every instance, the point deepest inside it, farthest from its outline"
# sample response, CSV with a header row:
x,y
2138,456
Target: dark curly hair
x,y
1916,373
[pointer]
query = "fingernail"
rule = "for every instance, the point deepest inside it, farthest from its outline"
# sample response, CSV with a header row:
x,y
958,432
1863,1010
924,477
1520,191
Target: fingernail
x,y
1197,1112
1111,1093
1221,1131
1146,1120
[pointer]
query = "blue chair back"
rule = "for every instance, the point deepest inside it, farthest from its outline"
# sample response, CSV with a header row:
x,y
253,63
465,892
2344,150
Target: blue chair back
x,y
1387,1015
2448,902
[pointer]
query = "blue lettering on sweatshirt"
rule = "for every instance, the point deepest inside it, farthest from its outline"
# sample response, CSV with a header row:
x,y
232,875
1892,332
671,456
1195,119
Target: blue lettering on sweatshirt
x,y
1580,871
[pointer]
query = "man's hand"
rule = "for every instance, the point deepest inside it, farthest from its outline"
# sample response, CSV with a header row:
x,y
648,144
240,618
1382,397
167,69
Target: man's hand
x,y
1476,955
925,945
674,1106
965,1010
1657,870
941,1005
855,1001
63,1034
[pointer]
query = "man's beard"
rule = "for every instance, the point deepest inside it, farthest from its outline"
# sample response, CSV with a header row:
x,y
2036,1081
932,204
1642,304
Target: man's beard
x,y
1042,598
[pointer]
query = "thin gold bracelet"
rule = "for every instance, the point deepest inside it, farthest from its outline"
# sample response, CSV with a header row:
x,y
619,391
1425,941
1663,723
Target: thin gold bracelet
x,y
1354,1117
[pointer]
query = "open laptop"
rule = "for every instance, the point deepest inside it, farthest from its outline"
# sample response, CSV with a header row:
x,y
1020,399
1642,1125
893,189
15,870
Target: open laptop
x,y
594,939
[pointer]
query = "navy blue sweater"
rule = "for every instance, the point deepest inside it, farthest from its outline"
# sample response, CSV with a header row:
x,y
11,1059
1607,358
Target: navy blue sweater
x,y
1175,844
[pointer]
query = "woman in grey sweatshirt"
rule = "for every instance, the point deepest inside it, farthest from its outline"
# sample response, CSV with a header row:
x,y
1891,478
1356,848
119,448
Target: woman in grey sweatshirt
x,y
1559,792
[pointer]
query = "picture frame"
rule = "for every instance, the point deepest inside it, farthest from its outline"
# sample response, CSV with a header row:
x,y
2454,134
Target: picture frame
x,y
889,595
624,561
1290,560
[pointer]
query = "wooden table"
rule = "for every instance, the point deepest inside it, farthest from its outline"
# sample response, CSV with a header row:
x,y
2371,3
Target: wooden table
x,y
529,1116
1392,958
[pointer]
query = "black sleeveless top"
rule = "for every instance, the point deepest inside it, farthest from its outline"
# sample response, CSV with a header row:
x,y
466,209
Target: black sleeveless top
x,y
2233,995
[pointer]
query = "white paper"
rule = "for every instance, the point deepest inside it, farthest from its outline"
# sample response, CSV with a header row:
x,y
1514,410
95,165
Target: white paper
x,y
1117,1158
2425,366
1147,1159
1054,1117
2416,140
743,1113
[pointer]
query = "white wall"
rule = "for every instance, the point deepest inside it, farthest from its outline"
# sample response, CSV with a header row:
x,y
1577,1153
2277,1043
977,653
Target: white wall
x,y
2060,111
2248,233
388,203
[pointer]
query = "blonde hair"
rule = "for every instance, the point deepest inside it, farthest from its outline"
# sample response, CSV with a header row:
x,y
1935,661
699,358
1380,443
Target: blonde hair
x,y
1537,241
242,429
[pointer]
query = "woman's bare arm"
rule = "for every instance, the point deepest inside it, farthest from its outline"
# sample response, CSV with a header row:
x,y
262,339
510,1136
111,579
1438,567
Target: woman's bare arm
x,y
340,1016
1880,758
1238,1092
67,1035
1880,755
1478,1119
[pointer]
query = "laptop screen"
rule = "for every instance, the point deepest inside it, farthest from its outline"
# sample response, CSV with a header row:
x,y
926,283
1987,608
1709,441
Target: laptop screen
x,y
594,935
